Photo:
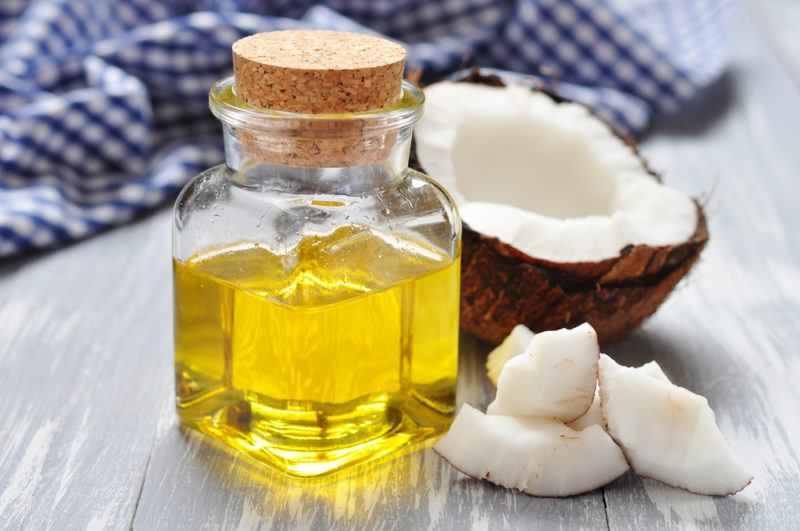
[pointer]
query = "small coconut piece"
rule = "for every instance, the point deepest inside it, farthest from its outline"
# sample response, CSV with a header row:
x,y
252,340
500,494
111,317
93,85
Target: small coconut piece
x,y
564,222
592,417
555,377
667,432
538,456
513,345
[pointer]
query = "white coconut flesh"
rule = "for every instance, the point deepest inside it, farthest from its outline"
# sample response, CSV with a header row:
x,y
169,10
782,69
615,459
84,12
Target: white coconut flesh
x,y
534,439
547,178
555,377
517,342
653,370
538,456
667,432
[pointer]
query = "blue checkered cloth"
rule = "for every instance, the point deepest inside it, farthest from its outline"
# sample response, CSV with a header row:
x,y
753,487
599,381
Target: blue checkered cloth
x,y
103,103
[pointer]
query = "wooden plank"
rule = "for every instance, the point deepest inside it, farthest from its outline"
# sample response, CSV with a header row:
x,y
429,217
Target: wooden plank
x,y
84,368
192,485
731,333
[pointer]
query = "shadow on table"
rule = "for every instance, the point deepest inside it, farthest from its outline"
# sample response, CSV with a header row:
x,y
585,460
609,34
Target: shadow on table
x,y
643,346
11,264
698,115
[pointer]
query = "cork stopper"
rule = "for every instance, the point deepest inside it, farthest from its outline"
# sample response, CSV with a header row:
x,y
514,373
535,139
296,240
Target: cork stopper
x,y
318,72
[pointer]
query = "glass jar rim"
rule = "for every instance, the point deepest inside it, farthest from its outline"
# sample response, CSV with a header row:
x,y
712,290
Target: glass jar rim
x,y
231,111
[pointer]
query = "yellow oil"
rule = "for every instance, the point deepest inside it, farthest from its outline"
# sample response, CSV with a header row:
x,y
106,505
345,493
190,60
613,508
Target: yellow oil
x,y
342,351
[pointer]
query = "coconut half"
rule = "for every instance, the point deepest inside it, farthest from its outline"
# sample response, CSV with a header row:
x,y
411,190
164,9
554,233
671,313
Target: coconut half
x,y
541,457
667,432
563,221
555,377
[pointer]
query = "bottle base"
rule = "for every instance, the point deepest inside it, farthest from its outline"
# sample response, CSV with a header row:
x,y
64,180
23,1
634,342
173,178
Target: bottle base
x,y
315,442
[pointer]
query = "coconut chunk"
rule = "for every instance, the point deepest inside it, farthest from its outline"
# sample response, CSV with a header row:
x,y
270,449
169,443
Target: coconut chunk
x,y
546,177
667,432
513,345
555,377
538,456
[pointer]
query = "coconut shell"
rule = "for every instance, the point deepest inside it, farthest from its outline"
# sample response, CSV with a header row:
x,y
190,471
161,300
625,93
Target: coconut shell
x,y
502,286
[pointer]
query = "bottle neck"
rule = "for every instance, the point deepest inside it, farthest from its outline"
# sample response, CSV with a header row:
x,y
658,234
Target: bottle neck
x,y
249,155
350,153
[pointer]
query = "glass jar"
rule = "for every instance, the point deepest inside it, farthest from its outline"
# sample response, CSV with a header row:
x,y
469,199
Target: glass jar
x,y
316,289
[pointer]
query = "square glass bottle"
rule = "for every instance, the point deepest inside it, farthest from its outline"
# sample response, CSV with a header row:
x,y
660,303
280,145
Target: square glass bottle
x,y
316,276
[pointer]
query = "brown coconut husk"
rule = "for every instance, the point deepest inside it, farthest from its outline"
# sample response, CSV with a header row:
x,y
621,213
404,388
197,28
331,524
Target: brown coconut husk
x,y
502,286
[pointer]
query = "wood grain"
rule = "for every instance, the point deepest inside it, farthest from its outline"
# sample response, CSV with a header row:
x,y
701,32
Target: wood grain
x,y
778,21
89,437
84,370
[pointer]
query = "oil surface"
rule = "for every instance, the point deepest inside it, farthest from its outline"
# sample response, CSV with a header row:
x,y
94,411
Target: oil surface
x,y
341,351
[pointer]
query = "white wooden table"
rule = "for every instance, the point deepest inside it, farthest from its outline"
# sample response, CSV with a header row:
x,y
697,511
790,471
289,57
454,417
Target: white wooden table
x,y
88,436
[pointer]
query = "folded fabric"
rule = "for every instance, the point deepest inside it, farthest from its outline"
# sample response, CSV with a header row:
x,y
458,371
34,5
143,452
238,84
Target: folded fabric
x,y
103,105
